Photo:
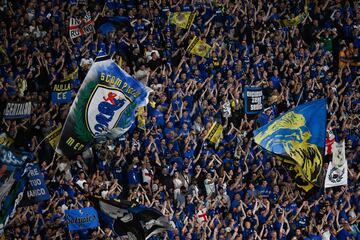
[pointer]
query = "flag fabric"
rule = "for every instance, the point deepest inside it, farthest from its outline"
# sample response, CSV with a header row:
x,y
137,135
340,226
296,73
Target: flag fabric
x,y
182,19
61,93
35,190
80,27
53,137
337,172
5,140
106,24
215,133
253,99
298,136
17,110
199,47
12,182
141,119
81,219
330,139
130,219
103,108
295,172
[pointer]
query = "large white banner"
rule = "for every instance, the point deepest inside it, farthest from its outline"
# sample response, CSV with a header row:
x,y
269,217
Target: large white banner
x,y
337,172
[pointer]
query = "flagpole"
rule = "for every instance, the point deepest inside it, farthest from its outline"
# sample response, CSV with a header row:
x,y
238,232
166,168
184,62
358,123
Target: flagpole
x,y
302,91
38,146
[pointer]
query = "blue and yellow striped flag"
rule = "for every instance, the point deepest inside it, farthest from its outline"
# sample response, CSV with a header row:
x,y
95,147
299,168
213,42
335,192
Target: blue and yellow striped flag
x,y
298,139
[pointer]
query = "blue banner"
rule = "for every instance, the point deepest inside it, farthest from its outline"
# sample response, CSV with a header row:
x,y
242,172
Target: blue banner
x,y
253,99
61,97
36,189
80,219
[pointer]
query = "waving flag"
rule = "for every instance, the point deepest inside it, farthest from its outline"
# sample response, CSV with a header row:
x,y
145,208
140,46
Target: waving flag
x,y
299,137
106,24
104,107
12,181
215,133
182,19
79,27
199,47
129,218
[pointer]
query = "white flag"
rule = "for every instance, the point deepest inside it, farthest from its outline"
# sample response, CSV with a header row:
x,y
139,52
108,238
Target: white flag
x,y
330,139
337,172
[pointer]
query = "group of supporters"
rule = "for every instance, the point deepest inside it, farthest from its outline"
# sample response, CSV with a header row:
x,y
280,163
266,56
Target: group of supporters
x,y
234,190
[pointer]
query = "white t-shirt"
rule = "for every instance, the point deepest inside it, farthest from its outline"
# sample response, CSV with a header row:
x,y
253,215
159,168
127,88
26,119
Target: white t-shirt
x,y
81,183
209,187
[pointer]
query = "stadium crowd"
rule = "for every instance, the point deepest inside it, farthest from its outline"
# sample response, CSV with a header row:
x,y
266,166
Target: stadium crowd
x,y
234,191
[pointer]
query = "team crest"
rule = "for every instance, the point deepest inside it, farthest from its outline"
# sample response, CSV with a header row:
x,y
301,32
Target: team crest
x,y
336,174
105,109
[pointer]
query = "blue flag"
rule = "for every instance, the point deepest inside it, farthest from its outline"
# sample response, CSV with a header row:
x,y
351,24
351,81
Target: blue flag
x,y
12,181
80,219
111,23
36,190
298,138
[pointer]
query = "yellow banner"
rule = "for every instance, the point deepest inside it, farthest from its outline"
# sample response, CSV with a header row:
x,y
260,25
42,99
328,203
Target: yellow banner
x,y
182,19
141,111
215,133
53,137
199,47
7,141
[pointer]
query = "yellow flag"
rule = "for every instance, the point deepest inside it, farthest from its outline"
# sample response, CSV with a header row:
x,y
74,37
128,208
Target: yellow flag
x,y
306,7
7,141
53,137
104,10
199,47
182,19
293,21
72,76
215,133
141,118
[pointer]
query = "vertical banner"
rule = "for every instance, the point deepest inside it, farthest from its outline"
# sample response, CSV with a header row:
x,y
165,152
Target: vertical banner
x,y
61,93
36,190
337,172
81,219
17,110
253,99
